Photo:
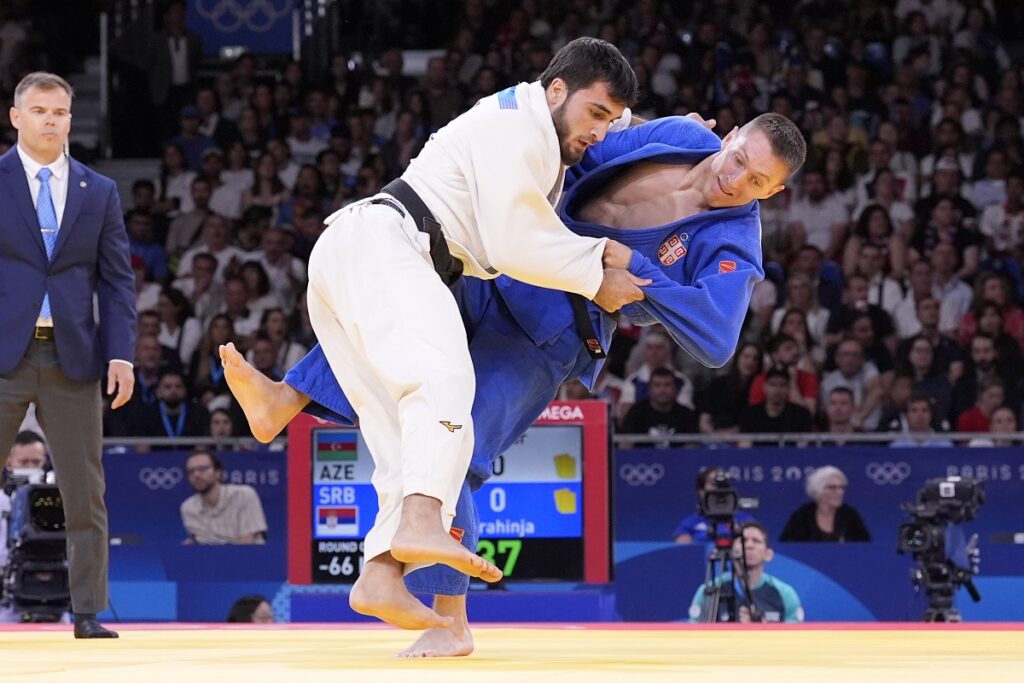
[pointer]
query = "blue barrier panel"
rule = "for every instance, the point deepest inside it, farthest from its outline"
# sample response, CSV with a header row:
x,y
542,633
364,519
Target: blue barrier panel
x,y
835,582
654,488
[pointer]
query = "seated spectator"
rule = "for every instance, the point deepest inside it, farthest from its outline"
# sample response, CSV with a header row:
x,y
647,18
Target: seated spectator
x,y
244,319
657,348
883,291
142,243
190,140
219,513
1008,351
812,354
696,528
175,194
260,296
993,288
216,241
919,429
774,601
727,394
207,373
226,199
147,292
943,227
855,303
1002,224
274,326
862,328
777,414
237,172
838,419
204,293
905,315
953,292
263,357
266,190
1004,421
783,351
928,378
251,609
286,272
187,225
800,295
820,216
827,518
179,330
660,414
876,227
948,354
309,194
222,426
861,378
172,414
983,364
991,396
990,190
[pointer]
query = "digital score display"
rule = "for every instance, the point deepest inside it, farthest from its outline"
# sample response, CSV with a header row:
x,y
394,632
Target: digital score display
x,y
544,514
530,510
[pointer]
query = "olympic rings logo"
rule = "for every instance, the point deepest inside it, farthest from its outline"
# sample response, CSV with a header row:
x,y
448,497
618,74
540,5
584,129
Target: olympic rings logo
x,y
228,16
642,474
156,478
888,473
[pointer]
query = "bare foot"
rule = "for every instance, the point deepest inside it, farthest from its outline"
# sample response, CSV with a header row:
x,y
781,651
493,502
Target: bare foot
x,y
421,539
269,406
454,641
380,592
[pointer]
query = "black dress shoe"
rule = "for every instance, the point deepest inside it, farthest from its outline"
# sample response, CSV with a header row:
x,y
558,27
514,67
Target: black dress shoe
x,y
91,628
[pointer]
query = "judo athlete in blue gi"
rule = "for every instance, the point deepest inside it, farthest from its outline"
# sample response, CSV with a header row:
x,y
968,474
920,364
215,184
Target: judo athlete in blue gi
x,y
703,259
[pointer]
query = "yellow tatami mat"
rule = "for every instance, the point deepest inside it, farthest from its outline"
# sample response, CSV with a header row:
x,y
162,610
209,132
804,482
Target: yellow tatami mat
x,y
533,654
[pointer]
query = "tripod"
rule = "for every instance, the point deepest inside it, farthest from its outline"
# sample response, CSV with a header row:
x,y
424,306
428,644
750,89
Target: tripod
x,y
720,600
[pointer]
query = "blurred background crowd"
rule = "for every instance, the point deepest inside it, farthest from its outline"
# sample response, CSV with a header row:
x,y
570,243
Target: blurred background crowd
x,y
893,289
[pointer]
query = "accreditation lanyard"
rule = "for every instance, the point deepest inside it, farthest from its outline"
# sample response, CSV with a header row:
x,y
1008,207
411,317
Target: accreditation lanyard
x,y
180,427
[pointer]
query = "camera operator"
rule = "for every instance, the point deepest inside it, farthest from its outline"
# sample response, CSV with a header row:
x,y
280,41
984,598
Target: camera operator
x,y
773,600
27,453
696,528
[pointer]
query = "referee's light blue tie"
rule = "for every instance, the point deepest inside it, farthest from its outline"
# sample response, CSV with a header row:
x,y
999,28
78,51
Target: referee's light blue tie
x,y
47,215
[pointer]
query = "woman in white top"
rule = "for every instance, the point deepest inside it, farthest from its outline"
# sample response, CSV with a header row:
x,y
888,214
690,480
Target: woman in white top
x,y
175,192
274,326
179,330
257,284
266,188
801,294
237,172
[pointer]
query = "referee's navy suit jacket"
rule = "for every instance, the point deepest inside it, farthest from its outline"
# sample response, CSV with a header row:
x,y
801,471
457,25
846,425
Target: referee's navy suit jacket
x,y
91,257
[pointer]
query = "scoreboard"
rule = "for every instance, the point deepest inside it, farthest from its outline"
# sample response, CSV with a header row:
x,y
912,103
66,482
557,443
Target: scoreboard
x,y
543,514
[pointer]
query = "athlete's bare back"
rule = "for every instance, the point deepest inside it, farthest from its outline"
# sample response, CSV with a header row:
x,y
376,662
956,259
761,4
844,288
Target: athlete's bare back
x,y
646,195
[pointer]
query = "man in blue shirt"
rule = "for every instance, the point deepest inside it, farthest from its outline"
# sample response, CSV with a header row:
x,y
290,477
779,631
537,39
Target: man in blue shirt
x,y
773,600
696,528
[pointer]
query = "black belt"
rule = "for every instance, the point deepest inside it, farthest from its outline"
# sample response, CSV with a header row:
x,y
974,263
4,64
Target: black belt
x,y
43,334
448,268
585,327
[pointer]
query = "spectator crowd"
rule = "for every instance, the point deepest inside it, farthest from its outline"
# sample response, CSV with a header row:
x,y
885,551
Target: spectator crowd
x,y
893,288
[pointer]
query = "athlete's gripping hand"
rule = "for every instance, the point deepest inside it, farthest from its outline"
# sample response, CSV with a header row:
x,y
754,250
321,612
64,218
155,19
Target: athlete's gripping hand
x,y
616,255
619,287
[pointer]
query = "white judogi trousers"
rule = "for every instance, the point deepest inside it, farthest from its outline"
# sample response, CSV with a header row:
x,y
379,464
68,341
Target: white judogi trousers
x,y
392,333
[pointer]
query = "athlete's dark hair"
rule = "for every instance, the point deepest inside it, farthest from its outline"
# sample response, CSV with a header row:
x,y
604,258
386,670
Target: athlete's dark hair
x,y
585,61
787,141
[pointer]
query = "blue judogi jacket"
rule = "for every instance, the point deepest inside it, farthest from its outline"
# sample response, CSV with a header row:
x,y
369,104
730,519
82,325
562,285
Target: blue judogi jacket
x,y
523,339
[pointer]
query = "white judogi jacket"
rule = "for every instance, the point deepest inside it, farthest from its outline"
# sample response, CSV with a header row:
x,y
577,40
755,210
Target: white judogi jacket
x,y
492,177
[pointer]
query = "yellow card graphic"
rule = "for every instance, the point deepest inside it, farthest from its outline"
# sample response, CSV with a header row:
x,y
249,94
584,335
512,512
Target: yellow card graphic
x,y
565,466
565,501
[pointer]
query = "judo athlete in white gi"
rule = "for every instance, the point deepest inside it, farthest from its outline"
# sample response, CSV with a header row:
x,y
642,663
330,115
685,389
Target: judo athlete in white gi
x,y
478,199
525,341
